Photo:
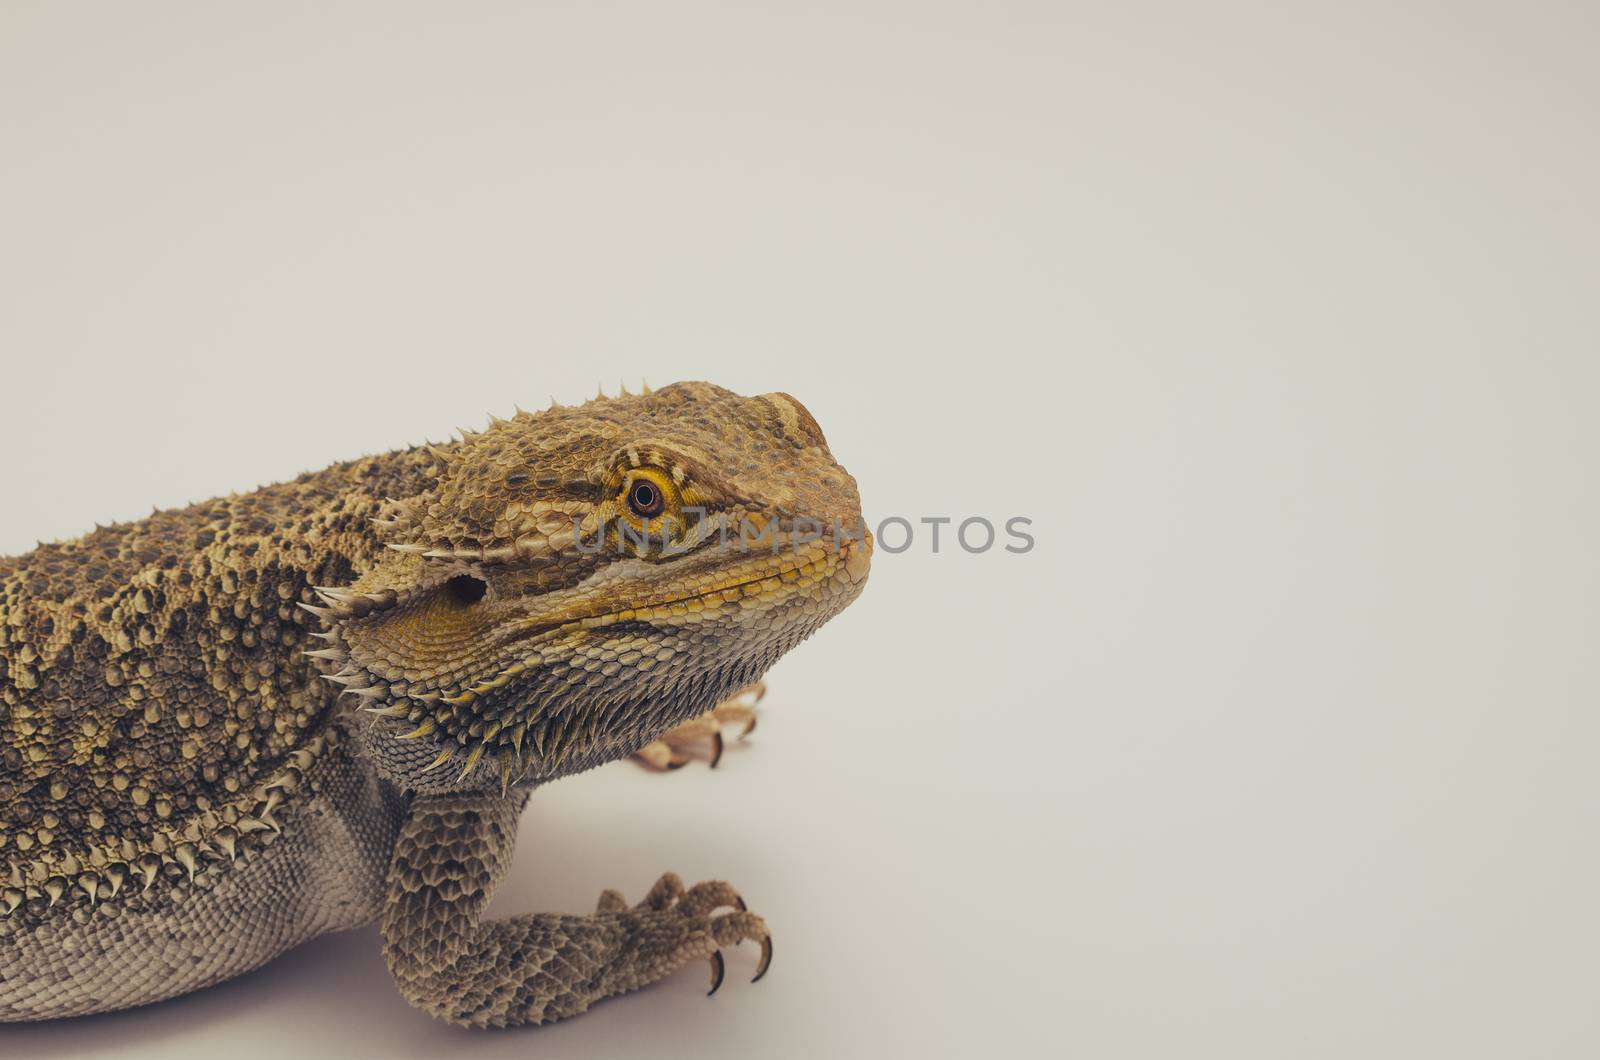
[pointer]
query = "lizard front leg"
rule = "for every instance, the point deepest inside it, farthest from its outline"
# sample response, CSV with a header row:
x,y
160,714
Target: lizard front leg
x,y
452,963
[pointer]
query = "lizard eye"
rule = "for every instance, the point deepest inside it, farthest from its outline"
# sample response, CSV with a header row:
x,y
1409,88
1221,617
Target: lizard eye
x,y
645,498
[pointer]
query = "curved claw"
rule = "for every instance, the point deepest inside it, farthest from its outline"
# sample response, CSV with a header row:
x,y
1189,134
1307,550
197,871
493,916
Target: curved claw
x,y
766,959
750,727
716,749
717,970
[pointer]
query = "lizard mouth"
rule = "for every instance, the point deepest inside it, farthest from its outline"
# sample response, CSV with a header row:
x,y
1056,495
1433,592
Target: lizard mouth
x,y
466,674
845,565
729,588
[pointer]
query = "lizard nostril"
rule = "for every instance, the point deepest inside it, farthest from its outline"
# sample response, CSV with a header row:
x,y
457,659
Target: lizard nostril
x,y
465,589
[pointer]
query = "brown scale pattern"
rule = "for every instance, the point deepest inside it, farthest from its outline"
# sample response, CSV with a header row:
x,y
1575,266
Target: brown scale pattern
x,y
152,682
187,786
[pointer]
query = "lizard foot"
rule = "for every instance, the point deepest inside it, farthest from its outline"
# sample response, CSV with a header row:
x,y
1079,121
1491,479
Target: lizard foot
x,y
677,926
671,750
450,961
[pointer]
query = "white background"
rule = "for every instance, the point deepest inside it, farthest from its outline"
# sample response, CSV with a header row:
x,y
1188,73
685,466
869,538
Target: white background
x,y
1280,322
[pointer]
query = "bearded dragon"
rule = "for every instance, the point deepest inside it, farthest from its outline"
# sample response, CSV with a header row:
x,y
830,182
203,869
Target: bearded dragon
x,y
229,728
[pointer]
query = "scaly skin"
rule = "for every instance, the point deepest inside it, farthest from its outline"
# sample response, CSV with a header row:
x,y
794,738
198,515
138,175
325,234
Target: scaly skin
x,y
227,729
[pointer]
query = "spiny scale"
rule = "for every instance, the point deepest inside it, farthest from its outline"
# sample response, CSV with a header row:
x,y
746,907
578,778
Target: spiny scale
x,y
210,843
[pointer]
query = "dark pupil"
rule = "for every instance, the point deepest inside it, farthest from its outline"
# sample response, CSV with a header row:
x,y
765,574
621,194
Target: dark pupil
x,y
645,498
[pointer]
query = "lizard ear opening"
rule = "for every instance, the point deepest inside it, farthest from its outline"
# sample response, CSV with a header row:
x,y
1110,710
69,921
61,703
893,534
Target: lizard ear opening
x,y
423,631
465,589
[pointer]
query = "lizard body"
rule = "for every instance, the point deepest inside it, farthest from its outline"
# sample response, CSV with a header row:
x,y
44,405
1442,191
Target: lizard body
x,y
229,728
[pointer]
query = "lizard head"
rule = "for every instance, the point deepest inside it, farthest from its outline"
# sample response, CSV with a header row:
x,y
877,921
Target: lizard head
x,y
579,580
